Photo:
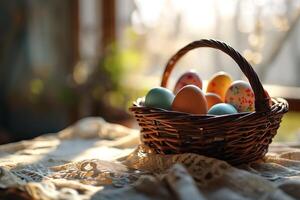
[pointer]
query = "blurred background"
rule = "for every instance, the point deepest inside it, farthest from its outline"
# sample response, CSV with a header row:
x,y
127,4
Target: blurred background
x,y
61,61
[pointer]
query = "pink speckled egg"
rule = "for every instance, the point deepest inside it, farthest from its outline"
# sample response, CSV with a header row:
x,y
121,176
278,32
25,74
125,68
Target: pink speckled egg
x,y
241,96
188,78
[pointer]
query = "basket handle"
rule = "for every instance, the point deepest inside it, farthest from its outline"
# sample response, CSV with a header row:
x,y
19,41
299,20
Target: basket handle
x,y
261,99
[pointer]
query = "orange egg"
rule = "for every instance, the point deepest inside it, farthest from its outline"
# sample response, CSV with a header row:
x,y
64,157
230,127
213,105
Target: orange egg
x,y
219,84
190,99
212,99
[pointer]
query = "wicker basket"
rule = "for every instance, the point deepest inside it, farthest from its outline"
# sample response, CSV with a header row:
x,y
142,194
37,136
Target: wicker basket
x,y
235,138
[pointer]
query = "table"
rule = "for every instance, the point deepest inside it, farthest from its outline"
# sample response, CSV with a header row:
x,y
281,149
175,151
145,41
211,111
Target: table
x,y
94,159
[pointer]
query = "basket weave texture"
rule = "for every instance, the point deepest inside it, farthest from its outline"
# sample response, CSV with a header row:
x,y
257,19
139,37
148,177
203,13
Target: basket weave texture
x,y
236,138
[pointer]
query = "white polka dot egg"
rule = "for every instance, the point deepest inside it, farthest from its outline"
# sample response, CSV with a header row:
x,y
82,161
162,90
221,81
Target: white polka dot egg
x,y
241,96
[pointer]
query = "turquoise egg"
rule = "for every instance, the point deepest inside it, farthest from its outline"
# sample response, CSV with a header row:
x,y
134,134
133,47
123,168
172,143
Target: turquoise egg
x,y
222,109
159,97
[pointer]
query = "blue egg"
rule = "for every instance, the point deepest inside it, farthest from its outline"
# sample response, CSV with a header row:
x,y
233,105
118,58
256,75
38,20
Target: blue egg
x,y
159,97
222,109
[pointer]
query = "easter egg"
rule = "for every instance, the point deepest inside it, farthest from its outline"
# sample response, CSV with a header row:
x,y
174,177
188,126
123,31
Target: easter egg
x,y
190,99
219,84
212,99
222,109
241,96
188,78
159,97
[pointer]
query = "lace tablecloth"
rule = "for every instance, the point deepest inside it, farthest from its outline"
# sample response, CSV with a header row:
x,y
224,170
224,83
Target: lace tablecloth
x,y
94,159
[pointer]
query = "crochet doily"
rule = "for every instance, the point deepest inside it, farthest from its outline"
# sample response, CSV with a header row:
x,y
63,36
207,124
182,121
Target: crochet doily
x,y
97,160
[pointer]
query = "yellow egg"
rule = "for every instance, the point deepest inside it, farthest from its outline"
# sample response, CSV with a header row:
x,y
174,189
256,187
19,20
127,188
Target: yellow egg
x,y
190,99
219,84
188,78
212,99
241,96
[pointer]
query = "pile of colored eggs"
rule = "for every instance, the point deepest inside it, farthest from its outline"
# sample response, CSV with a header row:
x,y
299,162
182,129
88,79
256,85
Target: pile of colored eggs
x,y
223,96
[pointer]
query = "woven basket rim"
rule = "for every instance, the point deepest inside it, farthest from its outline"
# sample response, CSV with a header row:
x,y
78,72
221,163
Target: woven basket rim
x,y
277,103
